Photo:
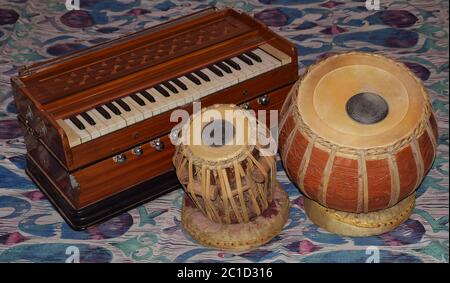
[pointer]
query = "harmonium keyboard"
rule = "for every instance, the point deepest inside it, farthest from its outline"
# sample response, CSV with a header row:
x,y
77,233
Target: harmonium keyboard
x,y
97,121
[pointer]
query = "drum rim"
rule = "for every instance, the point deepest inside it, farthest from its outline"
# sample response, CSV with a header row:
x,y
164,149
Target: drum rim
x,y
351,150
241,154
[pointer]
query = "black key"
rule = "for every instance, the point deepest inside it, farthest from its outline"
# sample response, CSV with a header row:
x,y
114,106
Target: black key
x,y
245,59
137,99
224,67
148,96
104,113
162,91
193,79
113,108
216,71
180,84
170,87
233,64
202,75
88,119
253,56
122,104
77,123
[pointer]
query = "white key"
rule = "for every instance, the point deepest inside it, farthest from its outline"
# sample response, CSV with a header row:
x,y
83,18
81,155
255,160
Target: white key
x,y
253,72
170,102
93,132
161,104
135,108
245,71
167,103
229,78
195,90
217,77
146,113
192,88
268,65
148,108
203,87
263,66
83,134
109,127
184,95
72,136
239,75
155,106
237,78
206,87
116,121
267,58
219,83
102,127
97,127
127,116
240,62
175,98
256,68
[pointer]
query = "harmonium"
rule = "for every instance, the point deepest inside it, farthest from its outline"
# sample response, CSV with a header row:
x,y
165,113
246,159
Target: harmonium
x,y
97,121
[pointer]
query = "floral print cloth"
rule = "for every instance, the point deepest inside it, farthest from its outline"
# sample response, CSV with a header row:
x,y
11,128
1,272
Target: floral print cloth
x,y
414,32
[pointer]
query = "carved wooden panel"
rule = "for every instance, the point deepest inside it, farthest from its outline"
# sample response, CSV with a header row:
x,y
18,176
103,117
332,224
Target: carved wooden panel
x,y
138,58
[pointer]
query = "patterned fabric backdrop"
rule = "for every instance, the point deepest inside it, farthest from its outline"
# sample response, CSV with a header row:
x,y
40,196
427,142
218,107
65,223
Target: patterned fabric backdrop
x,y
414,32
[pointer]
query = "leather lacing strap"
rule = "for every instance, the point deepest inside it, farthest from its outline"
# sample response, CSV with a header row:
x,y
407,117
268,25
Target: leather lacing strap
x,y
240,192
363,184
191,186
395,180
418,160
229,194
326,175
206,183
289,143
264,190
304,165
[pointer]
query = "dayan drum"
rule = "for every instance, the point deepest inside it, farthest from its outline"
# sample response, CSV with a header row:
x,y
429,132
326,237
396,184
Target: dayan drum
x,y
233,199
357,137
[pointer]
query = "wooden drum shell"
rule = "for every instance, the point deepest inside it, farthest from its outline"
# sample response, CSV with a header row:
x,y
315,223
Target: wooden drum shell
x,y
355,180
228,190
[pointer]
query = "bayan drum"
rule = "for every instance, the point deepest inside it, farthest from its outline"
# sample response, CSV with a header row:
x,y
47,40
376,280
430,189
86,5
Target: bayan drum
x,y
233,200
357,137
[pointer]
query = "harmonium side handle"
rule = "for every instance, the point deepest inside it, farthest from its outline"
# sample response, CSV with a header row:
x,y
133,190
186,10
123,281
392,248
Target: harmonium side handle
x,y
39,124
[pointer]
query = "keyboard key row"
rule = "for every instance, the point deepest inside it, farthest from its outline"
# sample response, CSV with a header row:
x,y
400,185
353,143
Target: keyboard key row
x,y
171,94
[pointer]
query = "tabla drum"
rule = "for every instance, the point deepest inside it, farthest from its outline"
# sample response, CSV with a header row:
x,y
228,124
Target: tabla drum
x,y
233,200
357,136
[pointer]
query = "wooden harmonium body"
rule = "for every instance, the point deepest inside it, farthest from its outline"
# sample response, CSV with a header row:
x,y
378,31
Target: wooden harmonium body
x,y
97,121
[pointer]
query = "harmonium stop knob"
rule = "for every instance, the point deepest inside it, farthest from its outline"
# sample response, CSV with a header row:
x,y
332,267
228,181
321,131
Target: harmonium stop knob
x,y
264,100
157,144
138,151
120,158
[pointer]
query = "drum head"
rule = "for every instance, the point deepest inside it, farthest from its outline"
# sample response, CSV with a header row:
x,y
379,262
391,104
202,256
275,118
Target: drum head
x,y
361,100
220,133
